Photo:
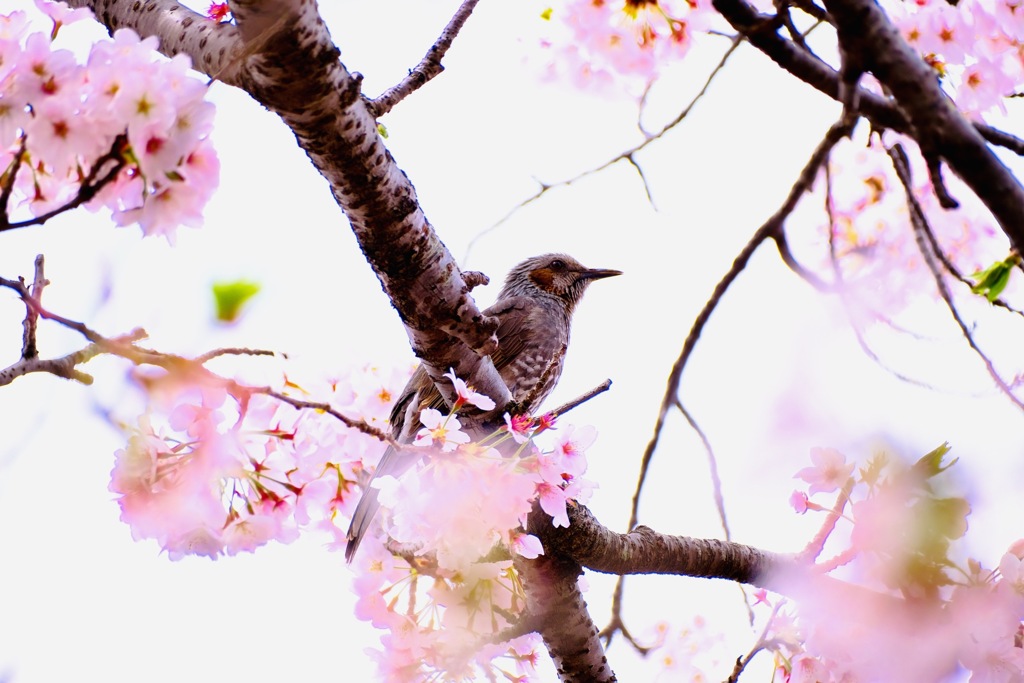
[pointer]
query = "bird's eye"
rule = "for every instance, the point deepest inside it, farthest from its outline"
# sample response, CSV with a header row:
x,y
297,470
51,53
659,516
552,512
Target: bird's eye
x,y
557,264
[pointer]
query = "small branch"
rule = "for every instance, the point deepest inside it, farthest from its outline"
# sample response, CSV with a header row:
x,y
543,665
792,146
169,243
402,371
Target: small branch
x,y
627,155
782,244
29,347
938,252
9,176
61,367
1001,138
234,351
474,279
716,487
814,547
934,165
716,481
769,229
643,179
762,642
920,225
772,227
582,398
33,304
429,67
360,425
840,288
813,10
90,187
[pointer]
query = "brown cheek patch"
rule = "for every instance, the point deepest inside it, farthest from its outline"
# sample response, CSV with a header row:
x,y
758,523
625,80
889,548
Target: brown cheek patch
x,y
543,278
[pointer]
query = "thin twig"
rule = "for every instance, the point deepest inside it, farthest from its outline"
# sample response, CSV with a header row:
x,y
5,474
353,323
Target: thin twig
x,y
234,351
29,345
920,224
760,644
11,174
782,244
814,547
716,481
627,155
360,425
844,300
940,254
90,187
582,398
769,229
716,488
429,67
31,302
643,179
64,366
772,227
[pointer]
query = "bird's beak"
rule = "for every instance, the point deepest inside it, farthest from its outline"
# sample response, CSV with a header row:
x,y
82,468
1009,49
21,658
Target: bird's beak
x,y
598,273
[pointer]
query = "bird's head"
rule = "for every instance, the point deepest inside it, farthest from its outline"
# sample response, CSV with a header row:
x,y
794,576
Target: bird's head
x,y
557,275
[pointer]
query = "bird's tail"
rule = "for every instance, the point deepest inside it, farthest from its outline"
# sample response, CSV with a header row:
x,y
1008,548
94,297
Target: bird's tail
x,y
392,463
361,518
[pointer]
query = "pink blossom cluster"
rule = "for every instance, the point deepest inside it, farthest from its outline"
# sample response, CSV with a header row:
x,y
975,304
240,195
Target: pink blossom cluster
x,y
873,241
909,610
605,43
440,625
467,499
215,469
470,496
976,46
692,652
125,103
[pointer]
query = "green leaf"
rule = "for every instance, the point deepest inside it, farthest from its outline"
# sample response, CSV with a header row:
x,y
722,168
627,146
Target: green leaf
x,y
546,14
930,464
382,130
991,282
229,298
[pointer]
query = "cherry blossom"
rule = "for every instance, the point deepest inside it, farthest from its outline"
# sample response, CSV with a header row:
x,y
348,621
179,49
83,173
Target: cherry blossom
x,y
829,473
124,102
446,432
605,45
519,427
466,395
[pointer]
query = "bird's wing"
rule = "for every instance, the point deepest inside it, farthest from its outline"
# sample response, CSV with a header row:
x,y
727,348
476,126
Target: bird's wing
x,y
512,318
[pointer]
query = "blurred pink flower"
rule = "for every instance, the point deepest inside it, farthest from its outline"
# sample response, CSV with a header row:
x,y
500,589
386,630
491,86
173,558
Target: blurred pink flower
x,y
445,432
829,473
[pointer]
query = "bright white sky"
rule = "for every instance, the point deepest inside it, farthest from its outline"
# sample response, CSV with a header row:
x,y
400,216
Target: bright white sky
x,y
777,371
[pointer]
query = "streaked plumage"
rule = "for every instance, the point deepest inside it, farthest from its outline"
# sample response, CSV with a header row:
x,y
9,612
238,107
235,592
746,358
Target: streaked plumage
x,y
534,310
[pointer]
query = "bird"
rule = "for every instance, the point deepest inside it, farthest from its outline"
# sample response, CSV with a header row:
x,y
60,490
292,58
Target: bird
x,y
534,310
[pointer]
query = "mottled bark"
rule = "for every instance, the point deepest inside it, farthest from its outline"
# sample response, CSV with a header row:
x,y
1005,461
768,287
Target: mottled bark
x,y
282,54
645,551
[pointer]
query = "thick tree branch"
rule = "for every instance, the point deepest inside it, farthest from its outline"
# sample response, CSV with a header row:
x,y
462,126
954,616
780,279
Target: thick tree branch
x,y
939,128
761,31
282,54
555,604
645,551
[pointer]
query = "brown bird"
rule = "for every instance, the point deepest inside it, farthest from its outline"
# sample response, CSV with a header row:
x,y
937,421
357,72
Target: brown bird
x,y
534,311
